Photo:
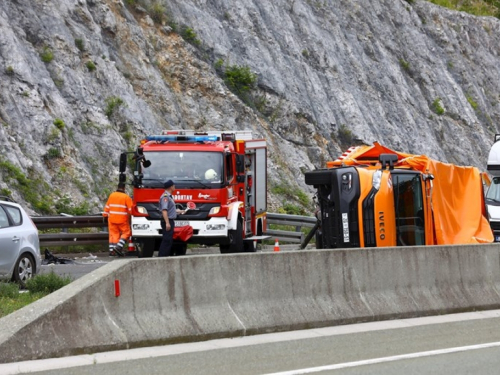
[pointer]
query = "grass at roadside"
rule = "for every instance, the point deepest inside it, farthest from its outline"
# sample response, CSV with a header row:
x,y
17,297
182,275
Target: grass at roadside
x,y
38,287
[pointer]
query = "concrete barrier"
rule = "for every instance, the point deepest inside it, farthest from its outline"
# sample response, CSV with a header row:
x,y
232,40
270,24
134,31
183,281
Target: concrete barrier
x,y
195,298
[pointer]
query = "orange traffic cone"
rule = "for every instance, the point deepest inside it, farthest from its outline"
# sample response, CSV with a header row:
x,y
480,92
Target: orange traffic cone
x,y
131,246
276,245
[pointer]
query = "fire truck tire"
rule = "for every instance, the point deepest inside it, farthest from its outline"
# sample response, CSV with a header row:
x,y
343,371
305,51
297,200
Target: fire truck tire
x,y
179,249
249,247
146,248
319,177
235,241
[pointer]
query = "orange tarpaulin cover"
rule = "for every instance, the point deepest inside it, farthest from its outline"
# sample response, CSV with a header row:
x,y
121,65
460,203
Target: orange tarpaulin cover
x,y
457,201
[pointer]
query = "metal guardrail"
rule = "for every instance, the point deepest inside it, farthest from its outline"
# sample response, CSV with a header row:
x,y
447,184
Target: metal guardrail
x,y
70,222
294,220
71,239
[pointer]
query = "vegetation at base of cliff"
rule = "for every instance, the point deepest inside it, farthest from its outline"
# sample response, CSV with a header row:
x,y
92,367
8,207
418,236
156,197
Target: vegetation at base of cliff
x,y
31,187
38,287
475,7
290,194
35,191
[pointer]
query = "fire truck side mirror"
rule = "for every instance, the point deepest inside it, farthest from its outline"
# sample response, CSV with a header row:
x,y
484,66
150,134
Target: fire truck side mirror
x,y
240,164
123,162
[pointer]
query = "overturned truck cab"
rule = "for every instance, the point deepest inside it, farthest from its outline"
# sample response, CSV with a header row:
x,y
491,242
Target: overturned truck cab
x,y
373,196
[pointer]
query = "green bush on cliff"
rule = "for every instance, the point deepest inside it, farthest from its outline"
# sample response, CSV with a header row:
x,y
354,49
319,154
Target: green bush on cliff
x,y
239,79
475,7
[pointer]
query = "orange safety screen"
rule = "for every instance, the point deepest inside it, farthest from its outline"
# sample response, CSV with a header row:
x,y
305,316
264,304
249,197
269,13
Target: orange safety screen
x,y
457,201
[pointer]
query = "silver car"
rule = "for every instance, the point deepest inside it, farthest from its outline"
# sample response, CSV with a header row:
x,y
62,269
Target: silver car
x,y
20,257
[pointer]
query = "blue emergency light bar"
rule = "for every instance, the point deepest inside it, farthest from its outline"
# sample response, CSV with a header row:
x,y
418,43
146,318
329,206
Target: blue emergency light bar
x,y
184,138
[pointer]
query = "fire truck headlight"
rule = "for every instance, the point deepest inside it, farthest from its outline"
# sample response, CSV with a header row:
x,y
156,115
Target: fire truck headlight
x,y
142,210
214,210
377,177
216,226
140,226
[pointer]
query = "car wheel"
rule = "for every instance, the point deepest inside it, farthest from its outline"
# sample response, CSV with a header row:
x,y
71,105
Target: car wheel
x,y
24,269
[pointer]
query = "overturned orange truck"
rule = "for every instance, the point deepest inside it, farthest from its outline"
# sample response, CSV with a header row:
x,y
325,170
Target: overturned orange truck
x,y
373,196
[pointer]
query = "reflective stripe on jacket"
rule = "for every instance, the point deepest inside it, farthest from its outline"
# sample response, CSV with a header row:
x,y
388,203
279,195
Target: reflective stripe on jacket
x,y
118,207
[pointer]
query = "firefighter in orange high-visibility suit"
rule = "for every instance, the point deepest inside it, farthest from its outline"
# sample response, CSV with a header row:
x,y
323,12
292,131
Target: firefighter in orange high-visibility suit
x,y
118,210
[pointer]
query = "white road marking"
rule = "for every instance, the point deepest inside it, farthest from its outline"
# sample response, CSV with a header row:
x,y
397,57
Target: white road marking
x,y
373,361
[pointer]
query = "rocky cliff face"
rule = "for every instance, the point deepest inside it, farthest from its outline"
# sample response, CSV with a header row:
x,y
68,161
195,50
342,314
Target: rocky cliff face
x,y
83,80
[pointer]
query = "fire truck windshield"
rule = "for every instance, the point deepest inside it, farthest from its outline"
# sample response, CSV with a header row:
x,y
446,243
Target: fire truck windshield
x,y
189,169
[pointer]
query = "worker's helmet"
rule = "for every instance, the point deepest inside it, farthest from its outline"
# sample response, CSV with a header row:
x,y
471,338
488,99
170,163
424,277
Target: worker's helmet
x,y
210,174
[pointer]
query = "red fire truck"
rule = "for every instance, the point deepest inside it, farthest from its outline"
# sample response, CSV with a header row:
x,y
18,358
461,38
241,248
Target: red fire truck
x,y
220,178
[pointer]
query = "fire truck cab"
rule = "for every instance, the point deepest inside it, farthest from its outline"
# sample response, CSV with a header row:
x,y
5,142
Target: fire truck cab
x,y
220,180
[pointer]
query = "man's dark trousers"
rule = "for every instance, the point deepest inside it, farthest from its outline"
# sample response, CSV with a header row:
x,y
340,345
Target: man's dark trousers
x,y
167,239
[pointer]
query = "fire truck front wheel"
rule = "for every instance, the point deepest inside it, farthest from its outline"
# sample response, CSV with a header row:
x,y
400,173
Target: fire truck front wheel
x,y
235,241
146,247
179,249
249,247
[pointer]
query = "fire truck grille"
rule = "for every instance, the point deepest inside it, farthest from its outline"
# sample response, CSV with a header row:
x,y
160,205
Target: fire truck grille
x,y
200,213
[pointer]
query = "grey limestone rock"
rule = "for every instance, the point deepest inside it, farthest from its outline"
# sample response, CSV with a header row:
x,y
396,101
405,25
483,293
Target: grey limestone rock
x,y
415,77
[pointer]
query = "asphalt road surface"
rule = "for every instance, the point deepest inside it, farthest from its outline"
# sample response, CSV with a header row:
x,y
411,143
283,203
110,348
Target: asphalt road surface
x,y
455,344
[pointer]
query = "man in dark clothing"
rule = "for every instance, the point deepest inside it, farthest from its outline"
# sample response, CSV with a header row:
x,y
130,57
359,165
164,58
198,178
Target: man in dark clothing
x,y
168,214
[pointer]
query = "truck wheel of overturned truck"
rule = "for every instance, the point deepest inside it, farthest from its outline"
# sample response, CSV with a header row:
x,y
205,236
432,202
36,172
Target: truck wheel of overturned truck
x,y
319,239
179,249
235,241
146,248
319,177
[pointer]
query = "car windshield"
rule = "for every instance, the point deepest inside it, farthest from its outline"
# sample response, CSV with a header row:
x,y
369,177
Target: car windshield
x,y
187,169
